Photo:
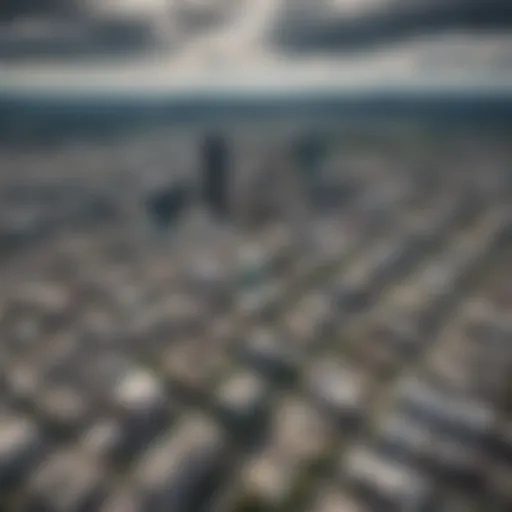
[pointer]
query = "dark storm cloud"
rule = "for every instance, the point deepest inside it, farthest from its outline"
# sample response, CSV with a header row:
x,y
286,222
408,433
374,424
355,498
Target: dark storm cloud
x,y
67,29
387,22
428,35
12,9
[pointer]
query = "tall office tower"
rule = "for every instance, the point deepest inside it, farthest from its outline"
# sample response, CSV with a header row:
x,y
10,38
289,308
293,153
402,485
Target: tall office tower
x,y
216,176
295,204
257,196
308,156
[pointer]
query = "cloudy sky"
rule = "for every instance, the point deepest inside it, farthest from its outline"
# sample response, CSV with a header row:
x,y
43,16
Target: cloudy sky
x,y
193,44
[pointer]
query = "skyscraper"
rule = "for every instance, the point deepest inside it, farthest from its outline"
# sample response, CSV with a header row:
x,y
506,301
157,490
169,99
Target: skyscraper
x,y
216,175
308,155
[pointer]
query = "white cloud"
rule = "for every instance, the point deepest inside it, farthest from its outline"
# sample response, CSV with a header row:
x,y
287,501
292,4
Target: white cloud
x,y
236,53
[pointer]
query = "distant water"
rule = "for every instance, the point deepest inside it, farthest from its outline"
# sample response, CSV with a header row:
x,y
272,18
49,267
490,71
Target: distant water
x,y
44,118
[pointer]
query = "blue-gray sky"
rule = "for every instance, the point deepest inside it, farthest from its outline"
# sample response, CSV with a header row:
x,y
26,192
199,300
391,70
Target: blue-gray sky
x,y
270,43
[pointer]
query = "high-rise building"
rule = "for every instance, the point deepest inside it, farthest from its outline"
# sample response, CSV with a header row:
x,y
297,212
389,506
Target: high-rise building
x,y
166,206
216,176
308,156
